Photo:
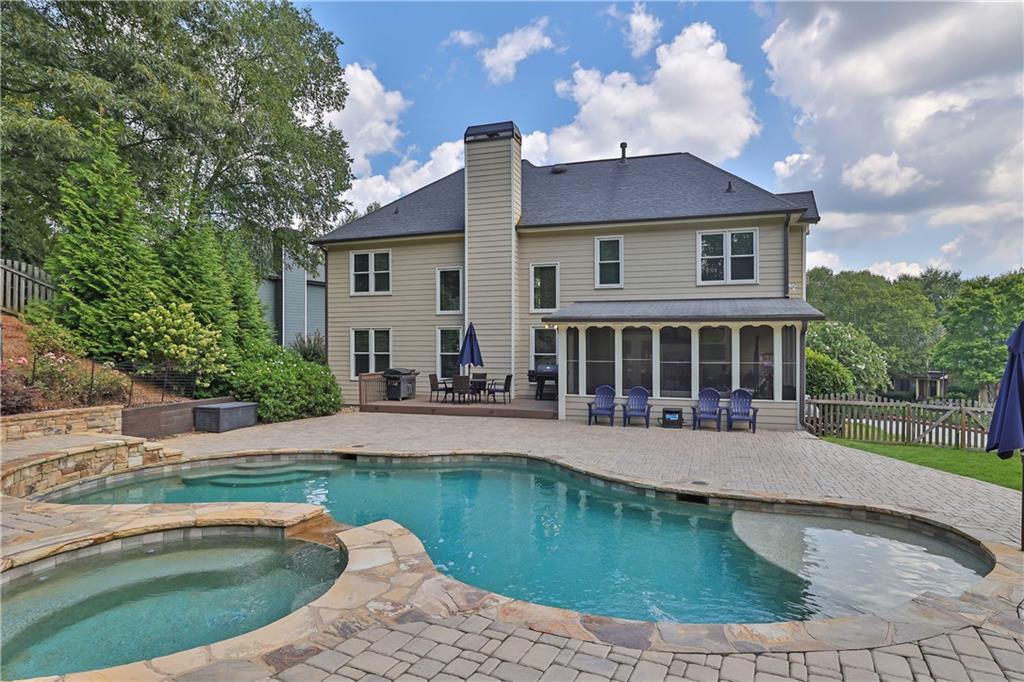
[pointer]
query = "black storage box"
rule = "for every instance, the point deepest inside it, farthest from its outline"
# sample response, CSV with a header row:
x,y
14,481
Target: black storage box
x,y
225,416
672,418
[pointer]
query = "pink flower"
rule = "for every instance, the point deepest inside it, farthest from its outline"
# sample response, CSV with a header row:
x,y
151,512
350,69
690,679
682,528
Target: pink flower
x,y
22,360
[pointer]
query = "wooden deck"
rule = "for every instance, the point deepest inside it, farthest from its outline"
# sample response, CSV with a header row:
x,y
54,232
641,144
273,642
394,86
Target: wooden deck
x,y
522,408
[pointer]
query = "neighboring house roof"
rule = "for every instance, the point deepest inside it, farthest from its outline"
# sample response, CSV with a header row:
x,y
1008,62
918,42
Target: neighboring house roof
x,y
693,310
643,188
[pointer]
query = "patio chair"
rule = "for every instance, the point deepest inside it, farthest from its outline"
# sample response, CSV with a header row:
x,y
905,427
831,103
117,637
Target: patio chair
x,y
460,388
493,390
636,405
478,384
437,387
707,408
602,405
740,409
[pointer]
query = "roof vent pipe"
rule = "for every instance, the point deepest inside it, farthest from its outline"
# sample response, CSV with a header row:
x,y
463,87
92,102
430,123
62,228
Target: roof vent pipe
x,y
728,188
622,146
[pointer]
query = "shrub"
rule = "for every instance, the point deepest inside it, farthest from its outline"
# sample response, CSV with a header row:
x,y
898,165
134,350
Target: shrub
x,y
169,338
15,396
854,350
285,386
63,380
46,335
312,347
825,375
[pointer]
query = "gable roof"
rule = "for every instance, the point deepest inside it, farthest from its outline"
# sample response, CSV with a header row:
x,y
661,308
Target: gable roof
x,y
643,188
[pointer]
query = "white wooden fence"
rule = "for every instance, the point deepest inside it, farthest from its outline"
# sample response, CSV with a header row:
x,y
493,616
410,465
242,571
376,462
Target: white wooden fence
x,y
23,283
947,423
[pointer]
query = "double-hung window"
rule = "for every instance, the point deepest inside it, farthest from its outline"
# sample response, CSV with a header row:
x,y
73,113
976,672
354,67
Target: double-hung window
x,y
727,257
608,262
544,287
371,273
543,346
371,351
449,291
448,341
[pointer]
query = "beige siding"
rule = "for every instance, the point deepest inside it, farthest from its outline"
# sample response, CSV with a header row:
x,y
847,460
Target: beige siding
x,y
771,415
410,311
490,248
797,260
659,263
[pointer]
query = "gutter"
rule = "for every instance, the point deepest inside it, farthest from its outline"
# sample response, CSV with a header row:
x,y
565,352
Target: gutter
x,y
802,364
785,257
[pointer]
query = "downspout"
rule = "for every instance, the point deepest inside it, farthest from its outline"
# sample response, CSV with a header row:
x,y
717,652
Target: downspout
x,y
327,308
785,258
802,364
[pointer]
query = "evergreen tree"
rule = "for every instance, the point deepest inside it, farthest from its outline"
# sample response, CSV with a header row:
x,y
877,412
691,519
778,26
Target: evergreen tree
x,y
251,321
102,262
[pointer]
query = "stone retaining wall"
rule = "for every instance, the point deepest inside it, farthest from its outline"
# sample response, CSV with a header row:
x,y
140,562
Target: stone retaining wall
x,y
99,419
50,470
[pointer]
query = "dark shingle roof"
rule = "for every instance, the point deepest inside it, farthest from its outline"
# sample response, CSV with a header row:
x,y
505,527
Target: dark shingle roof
x,y
644,188
694,310
804,200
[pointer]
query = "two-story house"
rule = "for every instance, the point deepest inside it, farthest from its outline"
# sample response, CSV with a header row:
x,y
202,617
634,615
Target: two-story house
x,y
662,271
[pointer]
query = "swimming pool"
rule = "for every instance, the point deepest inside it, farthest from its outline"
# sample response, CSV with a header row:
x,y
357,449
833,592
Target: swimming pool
x,y
534,532
152,600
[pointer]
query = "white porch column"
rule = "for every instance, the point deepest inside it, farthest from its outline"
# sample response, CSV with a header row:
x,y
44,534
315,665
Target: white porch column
x,y
618,360
560,334
735,356
694,360
656,361
583,358
777,361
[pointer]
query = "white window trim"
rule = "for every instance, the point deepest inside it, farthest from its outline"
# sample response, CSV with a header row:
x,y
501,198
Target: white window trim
x,y
352,348
558,287
727,255
597,263
437,347
533,345
437,289
352,273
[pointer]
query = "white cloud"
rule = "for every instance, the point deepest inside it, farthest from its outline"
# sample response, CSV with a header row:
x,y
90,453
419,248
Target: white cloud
x,y
866,77
820,258
891,270
535,147
695,100
369,120
794,163
641,29
407,176
881,175
501,60
463,38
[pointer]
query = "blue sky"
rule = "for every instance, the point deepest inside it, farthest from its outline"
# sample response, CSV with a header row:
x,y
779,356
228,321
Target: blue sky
x,y
914,149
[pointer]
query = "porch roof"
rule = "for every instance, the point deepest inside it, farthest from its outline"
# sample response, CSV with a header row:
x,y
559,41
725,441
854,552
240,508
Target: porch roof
x,y
688,310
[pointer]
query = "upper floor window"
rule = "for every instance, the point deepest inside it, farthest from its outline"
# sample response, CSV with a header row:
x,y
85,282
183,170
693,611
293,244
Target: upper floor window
x,y
449,291
608,262
544,286
727,257
371,273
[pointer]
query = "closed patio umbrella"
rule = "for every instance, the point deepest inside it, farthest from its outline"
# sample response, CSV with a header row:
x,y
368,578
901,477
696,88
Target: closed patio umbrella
x,y
1006,432
469,354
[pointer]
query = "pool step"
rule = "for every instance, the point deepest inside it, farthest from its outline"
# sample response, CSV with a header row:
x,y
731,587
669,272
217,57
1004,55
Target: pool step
x,y
254,481
255,477
263,465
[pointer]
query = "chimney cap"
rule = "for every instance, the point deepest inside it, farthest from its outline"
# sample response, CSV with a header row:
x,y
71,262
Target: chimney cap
x,y
492,131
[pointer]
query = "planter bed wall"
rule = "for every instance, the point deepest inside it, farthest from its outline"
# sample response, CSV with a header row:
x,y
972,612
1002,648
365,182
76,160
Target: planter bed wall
x,y
167,419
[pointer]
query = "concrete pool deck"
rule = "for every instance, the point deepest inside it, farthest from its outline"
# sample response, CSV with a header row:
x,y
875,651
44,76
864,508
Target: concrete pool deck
x,y
484,642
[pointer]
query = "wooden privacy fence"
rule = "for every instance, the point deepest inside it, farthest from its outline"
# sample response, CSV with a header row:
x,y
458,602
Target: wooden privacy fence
x,y
947,423
23,283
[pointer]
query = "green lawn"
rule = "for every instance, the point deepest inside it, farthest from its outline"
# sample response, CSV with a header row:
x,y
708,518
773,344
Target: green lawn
x,y
984,466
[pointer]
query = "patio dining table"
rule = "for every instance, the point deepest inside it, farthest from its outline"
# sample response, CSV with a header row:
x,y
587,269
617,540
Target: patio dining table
x,y
477,387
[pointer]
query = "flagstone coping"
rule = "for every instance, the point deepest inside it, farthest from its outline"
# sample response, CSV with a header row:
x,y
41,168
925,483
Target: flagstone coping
x,y
390,578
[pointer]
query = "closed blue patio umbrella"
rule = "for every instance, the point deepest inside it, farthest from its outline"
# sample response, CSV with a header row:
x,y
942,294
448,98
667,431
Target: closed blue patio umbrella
x,y
469,354
1006,432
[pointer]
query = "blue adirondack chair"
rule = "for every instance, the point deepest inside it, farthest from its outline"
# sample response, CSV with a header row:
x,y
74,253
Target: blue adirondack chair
x,y
636,405
707,408
603,405
740,409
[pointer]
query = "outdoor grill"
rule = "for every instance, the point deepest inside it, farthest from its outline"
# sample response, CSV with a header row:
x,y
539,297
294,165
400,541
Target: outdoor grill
x,y
399,383
544,372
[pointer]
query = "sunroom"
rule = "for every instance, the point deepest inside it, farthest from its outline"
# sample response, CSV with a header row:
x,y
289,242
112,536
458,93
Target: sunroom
x,y
675,349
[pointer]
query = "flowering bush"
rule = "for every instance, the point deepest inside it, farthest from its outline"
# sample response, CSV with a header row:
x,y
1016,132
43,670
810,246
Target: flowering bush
x,y
52,379
170,338
854,350
15,396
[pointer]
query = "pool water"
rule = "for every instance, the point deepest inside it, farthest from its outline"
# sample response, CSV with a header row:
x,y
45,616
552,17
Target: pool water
x,y
533,532
153,600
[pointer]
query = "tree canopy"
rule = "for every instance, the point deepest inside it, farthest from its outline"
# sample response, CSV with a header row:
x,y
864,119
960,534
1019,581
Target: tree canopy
x,y
223,110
